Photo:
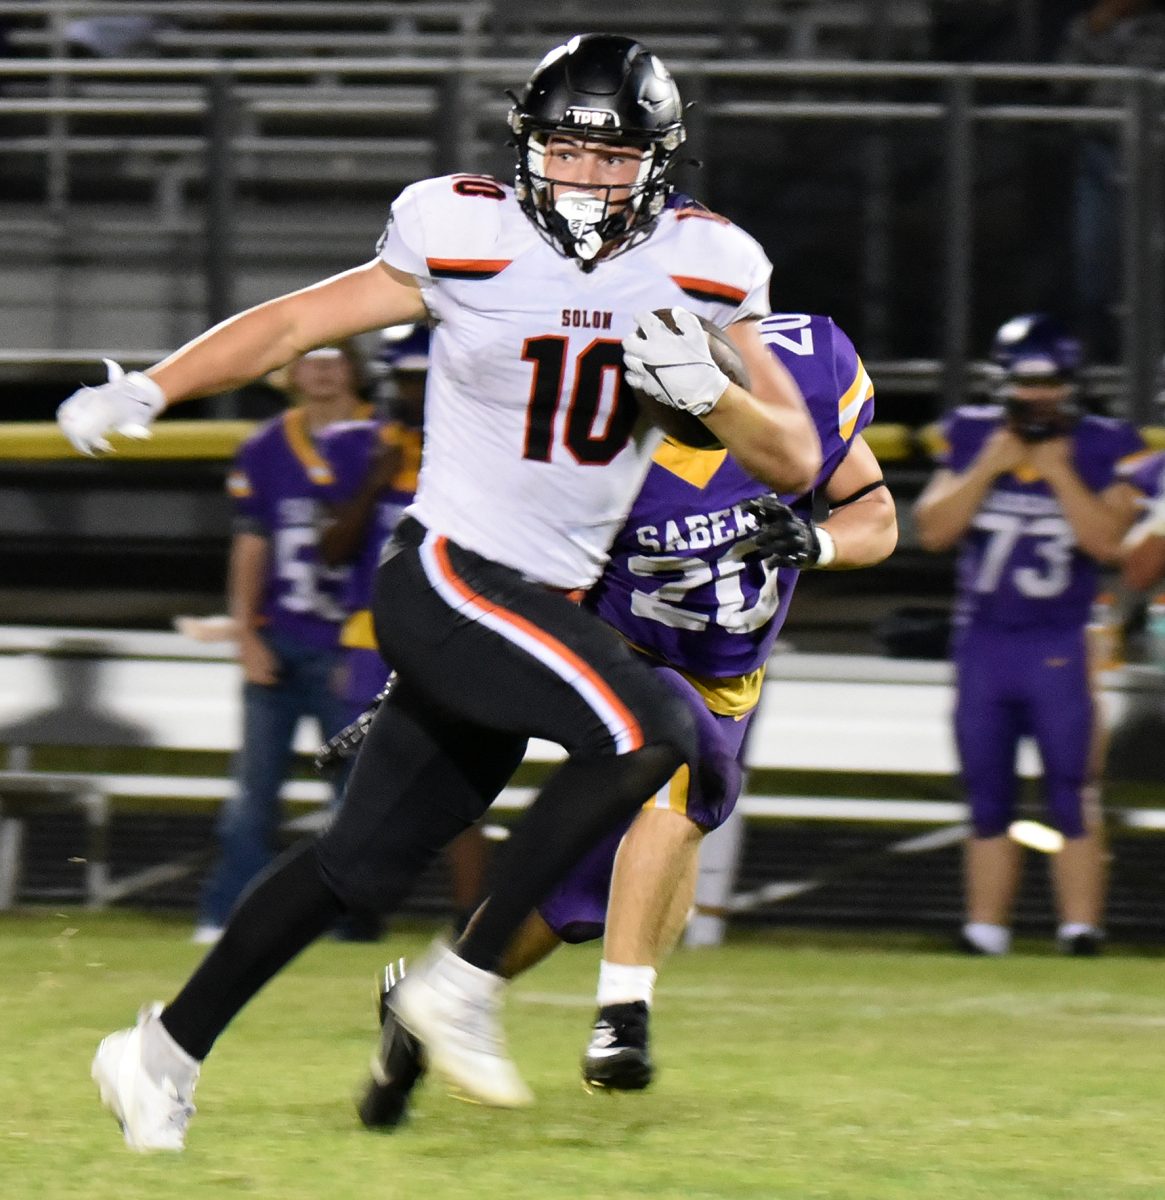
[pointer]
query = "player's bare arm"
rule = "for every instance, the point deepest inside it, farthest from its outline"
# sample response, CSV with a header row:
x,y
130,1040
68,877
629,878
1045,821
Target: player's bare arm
x,y
951,499
767,427
1143,555
1099,520
345,526
246,582
864,525
262,338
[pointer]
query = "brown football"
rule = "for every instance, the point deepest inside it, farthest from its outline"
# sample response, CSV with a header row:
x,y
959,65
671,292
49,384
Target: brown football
x,y
684,427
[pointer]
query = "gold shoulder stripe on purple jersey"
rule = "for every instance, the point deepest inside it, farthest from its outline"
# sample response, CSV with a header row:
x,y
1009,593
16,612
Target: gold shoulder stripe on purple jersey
x,y
849,407
299,440
689,464
709,289
466,268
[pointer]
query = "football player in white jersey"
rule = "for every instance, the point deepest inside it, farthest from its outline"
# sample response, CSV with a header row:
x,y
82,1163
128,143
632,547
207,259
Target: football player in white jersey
x,y
542,296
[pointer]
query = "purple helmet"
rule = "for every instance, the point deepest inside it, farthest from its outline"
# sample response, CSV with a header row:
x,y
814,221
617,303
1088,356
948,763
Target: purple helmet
x,y
404,348
1035,350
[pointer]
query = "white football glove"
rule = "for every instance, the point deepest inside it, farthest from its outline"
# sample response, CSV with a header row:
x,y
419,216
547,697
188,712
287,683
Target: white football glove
x,y
675,369
125,404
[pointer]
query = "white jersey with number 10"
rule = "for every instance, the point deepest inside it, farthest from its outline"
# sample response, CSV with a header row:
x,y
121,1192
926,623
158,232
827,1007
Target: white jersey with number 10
x,y
534,449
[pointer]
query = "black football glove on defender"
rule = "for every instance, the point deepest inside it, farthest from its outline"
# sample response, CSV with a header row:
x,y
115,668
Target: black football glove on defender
x,y
345,745
782,537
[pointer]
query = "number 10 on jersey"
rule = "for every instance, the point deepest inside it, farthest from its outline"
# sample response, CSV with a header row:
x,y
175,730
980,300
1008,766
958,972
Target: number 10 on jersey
x,y
598,369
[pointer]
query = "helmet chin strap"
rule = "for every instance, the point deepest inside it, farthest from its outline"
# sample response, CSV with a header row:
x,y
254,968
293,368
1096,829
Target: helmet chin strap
x,y
582,212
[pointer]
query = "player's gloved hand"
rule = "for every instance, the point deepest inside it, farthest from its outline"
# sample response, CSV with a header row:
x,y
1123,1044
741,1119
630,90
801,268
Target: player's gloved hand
x,y
674,367
345,745
125,404
785,539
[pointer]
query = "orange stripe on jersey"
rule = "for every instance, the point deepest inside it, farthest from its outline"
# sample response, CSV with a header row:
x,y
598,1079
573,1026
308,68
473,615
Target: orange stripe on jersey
x,y
466,268
709,289
682,214
549,643
298,438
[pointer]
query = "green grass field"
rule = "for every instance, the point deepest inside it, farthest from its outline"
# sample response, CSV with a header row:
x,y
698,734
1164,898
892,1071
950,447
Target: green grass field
x,y
792,1066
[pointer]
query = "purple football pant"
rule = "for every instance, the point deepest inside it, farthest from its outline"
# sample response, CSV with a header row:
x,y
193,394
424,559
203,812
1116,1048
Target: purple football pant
x,y
1023,682
577,909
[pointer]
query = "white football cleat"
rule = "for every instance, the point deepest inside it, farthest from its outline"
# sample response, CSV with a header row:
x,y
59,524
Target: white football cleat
x,y
147,1081
453,1009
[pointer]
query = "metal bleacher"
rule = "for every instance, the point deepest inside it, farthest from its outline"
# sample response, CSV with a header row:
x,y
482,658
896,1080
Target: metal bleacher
x,y
239,149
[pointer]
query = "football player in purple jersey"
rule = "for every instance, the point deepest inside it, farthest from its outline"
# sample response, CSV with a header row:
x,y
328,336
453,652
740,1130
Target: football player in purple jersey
x,y
699,583
286,606
1030,491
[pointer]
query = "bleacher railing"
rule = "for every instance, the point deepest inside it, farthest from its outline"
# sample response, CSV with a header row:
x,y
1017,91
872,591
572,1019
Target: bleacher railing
x,y
189,134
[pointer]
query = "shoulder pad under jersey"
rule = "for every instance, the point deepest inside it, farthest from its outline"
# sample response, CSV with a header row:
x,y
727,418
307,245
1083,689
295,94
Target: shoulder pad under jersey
x,y
713,261
454,225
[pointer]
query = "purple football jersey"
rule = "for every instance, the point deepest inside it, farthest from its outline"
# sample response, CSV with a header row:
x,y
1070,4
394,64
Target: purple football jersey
x,y
684,581
351,448
273,483
1018,563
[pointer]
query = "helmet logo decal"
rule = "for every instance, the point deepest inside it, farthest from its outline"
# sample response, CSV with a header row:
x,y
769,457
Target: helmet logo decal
x,y
594,118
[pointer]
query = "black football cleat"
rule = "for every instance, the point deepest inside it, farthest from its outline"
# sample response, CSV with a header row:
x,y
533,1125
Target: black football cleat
x,y
617,1058
964,945
397,1066
1081,945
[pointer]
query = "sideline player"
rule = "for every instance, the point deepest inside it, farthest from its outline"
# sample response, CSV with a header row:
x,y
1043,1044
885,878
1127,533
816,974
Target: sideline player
x,y
702,593
285,604
1031,492
534,452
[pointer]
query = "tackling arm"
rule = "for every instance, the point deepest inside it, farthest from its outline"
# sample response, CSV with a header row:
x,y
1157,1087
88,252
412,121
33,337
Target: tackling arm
x,y
864,531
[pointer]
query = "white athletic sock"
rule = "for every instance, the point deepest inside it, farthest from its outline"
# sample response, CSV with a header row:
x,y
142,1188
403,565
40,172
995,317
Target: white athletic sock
x,y
991,939
621,984
1071,929
446,968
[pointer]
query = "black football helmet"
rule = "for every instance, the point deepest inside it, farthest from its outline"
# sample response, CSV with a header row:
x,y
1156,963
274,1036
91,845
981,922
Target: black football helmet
x,y
1035,350
605,88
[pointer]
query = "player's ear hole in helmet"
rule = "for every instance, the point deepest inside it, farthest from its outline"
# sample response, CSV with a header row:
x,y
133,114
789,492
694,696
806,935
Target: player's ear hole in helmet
x,y
601,88
1035,375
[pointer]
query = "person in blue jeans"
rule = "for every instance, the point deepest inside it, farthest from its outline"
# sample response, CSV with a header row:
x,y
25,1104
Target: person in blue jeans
x,y
287,606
